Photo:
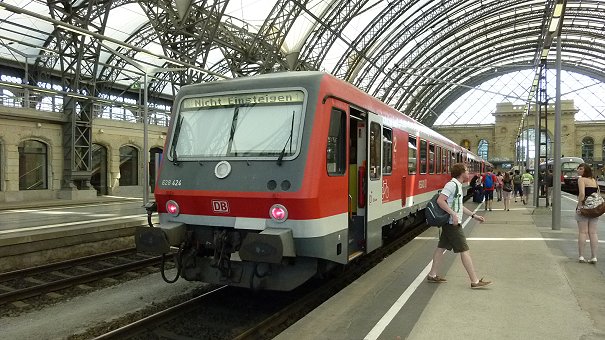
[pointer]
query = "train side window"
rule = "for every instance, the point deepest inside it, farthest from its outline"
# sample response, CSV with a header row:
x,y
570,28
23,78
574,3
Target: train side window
x,y
431,158
444,161
387,152
375,144
412,155
423,156
438,160
336,152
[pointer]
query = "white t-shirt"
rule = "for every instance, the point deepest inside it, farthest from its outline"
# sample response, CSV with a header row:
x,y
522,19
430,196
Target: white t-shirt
x,y
449,190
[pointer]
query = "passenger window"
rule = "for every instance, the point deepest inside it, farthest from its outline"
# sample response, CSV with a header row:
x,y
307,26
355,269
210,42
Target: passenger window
x,y
423,157
438,160
375,144
336,152
412,155
444,162
387,151
431,158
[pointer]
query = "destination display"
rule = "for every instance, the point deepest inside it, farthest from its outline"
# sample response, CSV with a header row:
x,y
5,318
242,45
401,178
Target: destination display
x,y
244,99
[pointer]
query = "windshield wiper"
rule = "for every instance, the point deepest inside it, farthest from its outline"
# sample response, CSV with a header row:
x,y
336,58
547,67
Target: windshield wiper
x,y
283,151
175,138
233,127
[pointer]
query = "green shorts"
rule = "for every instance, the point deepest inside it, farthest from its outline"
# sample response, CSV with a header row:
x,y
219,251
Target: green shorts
x,y
452,237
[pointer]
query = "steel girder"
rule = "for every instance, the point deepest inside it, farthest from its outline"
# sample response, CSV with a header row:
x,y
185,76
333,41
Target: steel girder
x,y
78,60
333,21
432,51
505,54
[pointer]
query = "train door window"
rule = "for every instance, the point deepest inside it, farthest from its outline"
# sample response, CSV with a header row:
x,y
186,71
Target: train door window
x,y
444,161
431,158
412,155
387,152
423,156
336,152
375,144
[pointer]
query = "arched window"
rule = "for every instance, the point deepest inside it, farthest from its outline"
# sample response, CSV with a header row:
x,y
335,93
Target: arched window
x,y
99,169
129,166
482,149
466,144
587,149
33,174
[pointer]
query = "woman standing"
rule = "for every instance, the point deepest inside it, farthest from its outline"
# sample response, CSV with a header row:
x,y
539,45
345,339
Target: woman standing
x,y
507,188
587,227
499,185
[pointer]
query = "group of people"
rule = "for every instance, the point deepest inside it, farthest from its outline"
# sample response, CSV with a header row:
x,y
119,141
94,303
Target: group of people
x,y
452,236
507,185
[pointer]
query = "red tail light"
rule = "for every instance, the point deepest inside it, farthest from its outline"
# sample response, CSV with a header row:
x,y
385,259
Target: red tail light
x,y
172,208
278,213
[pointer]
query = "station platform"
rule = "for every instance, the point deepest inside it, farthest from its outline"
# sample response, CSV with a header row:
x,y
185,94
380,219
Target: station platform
x,y
38,232
539,290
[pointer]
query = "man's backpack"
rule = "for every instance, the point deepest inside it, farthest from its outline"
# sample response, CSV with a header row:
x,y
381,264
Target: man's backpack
x,y
435,216
489,181
517,179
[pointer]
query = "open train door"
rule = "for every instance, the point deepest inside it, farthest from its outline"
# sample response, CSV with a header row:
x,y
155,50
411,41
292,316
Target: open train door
x,y
374,209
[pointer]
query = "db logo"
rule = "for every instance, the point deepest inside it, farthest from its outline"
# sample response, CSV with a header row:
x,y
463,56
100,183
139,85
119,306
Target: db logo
x,y
220,206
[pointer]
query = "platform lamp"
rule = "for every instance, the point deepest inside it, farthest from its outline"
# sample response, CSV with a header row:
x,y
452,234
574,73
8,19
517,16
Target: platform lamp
x,y
146,73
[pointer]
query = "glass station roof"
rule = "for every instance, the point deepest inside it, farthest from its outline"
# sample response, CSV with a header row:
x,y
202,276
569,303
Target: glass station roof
x,y
439,61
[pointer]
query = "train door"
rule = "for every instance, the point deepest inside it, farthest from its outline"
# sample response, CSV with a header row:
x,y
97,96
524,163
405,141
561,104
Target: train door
x,y
374,182
357,183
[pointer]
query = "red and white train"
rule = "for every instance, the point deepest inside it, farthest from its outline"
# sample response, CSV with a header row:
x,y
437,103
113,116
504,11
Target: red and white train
x,y
270,180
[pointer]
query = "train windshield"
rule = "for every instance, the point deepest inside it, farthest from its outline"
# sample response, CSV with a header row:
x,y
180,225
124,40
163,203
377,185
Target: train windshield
x,y
569,168
247,125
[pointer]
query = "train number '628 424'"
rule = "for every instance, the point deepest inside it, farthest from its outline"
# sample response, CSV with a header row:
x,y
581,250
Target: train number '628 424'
x,y
172,182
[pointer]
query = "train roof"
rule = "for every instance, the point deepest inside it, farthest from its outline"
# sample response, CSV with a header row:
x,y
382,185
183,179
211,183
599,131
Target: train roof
x,y
356,96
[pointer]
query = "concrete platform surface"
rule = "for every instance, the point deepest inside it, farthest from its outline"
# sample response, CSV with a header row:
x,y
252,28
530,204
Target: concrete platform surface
x,y
540,291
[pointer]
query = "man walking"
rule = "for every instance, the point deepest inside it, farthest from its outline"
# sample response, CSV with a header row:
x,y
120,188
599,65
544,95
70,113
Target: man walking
x,y
452,237
489,184
527,180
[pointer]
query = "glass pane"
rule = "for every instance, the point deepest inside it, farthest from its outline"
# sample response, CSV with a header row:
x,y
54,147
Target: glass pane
x,y
32,166
243,125
375,143
387,155
412,155
336,152
129,170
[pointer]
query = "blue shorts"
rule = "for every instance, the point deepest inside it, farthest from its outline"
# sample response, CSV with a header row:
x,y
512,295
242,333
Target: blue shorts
x,y
489,195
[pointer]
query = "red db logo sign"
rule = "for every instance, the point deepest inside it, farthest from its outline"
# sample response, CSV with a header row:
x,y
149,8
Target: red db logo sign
x,y
221,207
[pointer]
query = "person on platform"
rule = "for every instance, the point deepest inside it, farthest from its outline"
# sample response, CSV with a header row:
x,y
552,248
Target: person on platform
x,y
452,236
587,227
517,187
489,181
548,181
499,185
527,180
507,190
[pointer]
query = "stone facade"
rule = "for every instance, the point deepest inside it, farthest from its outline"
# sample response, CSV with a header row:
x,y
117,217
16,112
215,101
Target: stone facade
x,y
18,125
502,135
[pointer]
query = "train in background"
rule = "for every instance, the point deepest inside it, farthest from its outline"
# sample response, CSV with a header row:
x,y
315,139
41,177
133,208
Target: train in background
x,y
569,172
270,180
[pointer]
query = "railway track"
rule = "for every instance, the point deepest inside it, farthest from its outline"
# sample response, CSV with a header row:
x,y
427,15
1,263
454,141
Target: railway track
x,y
235,313
31,282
